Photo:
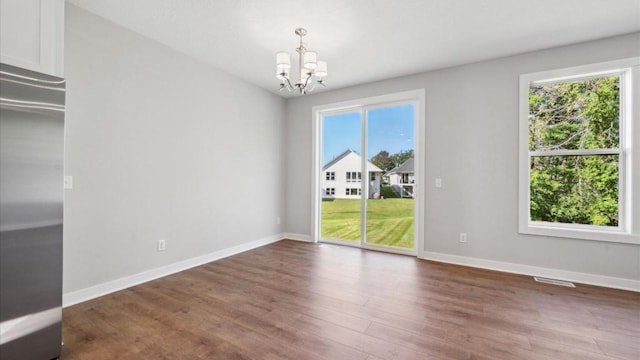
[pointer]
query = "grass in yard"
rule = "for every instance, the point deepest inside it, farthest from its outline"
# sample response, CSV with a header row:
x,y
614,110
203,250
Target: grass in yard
x,y
341,219
389,221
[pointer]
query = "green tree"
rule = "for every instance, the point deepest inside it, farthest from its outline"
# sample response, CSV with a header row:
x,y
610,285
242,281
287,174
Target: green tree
x,y
383,161
401,157
576,115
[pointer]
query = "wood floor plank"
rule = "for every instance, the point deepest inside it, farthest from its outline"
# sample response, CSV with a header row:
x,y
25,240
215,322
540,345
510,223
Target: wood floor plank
x,y
293,300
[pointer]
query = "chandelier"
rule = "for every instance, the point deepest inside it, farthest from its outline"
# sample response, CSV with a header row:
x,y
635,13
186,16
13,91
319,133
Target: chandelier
x,y
311,71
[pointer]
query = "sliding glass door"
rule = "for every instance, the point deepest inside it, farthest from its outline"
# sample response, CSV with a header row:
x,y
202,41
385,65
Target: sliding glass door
x,y
390,152
367,178
341,177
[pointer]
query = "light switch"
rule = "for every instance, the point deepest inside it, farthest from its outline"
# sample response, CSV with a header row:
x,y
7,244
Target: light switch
x,y
68,183
438,182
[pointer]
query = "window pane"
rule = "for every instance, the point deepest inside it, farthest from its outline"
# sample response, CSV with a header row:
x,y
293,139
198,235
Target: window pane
x,y
341,211
575,189
390,150
575,115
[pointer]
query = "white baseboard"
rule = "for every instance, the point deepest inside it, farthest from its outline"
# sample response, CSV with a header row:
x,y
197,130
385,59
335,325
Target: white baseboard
x,y
583,278
78,296
298,237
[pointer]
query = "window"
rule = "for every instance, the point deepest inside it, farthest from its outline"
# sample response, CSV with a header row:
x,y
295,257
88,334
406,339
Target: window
x,y
353,191
330,175
577,152
330,191
372,176
354,176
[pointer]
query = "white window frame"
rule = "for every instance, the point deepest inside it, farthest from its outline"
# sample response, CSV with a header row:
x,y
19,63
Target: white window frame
x,y
628,230
330,175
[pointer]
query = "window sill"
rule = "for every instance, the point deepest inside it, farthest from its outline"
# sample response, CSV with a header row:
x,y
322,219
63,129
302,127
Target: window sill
x,y
580,233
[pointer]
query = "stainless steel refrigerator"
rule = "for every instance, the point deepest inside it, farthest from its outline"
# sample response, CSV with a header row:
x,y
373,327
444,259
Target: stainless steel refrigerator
x,y
31,193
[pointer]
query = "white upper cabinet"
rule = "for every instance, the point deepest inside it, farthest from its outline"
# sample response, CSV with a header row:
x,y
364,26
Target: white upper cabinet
x,y
32,35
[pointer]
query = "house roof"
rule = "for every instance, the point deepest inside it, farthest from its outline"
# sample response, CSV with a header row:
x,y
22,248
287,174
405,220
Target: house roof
x,y
404,168
370,166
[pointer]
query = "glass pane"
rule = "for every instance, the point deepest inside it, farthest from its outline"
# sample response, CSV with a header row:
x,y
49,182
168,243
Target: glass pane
x,y
575,189
575,115
390,176
341,184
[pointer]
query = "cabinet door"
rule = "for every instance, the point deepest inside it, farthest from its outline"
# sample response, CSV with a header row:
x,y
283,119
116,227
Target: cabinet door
x,y
32,35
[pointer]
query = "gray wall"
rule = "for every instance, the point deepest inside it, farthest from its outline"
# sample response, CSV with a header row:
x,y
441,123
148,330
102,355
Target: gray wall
x,y
160,147
472,144
164,147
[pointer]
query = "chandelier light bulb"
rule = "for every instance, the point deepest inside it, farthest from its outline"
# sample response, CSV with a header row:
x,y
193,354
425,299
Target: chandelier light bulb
x,y
310,59
283,59
321,69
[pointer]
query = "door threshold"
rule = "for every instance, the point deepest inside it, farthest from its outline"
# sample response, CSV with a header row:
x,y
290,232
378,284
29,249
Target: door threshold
x,y
380,248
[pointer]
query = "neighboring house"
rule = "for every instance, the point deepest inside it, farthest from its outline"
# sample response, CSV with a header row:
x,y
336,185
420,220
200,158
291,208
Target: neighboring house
x,y
401,178
342,177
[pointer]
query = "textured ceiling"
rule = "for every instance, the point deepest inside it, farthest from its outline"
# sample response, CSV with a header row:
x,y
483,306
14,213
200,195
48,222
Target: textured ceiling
x,y
365,40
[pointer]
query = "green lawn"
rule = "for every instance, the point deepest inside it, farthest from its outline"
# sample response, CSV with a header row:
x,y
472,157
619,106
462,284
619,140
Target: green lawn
x,y
389,221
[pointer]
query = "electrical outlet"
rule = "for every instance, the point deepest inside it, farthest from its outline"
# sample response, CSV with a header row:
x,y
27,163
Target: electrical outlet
x,y
463,237
162,245
67,182
278,220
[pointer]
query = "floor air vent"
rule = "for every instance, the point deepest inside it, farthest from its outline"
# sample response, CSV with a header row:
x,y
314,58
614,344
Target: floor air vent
x,y
553,281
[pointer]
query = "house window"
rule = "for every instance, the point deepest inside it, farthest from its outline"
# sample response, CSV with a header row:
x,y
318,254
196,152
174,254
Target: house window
x,y
372,176
576,146
330,191
353,191
354,176
330,175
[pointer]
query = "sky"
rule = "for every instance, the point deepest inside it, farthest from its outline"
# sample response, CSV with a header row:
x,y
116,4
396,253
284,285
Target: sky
x,y
389,128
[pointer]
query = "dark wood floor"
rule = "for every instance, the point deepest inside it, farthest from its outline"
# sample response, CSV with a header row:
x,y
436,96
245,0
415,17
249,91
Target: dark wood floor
x,y
293,300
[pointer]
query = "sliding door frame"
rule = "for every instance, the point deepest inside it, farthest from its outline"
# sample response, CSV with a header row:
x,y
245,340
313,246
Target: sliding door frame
x,y
415,97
